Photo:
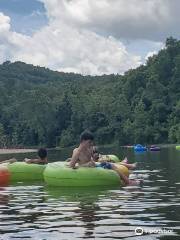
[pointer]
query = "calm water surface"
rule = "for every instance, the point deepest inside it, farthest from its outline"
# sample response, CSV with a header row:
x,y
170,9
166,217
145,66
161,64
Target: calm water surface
x,y
34,211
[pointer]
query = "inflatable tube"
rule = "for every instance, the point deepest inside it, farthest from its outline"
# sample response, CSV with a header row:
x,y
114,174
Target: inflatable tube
x,y
178,147
109,158
21,171
155,148
4,175
123,169
113,158
140,148
59,174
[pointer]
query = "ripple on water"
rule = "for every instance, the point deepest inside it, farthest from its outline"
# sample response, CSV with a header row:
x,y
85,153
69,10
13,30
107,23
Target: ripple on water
x,y
37,212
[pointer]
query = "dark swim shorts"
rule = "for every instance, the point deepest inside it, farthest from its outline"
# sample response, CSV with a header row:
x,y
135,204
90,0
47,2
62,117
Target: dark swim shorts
x,y
105,165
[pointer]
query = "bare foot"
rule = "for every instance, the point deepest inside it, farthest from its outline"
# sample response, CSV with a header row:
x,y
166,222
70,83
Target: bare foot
x,y
135,182
133,165
130,166
125,160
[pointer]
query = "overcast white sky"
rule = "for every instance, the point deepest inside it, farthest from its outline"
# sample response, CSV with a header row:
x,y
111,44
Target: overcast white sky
x,y
86,36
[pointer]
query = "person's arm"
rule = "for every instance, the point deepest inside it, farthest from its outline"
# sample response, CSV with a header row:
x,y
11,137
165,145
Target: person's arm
x,y
74,159
12,160
89,164
27,160
34,161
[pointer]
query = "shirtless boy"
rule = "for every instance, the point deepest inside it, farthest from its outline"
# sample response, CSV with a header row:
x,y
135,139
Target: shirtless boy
x,y
83,155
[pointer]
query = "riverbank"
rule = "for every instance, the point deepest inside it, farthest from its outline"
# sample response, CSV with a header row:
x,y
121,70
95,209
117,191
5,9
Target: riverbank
x,y
14,150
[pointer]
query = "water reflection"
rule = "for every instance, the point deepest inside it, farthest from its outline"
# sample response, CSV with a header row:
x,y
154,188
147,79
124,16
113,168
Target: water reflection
x,y
85,203
35,211
4,197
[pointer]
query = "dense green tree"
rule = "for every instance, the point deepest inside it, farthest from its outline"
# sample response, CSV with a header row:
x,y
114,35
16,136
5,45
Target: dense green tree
x,y
44,107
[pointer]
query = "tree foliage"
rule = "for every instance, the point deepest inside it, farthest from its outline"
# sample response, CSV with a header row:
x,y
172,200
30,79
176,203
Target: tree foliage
x,y
40,106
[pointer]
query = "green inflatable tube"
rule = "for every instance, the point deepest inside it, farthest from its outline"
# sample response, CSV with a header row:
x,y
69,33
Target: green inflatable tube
x,y
178,147
21,171
60,175
114,158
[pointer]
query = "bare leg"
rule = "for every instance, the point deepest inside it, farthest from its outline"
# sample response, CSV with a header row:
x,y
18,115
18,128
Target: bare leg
x,y
121,175
125,179
130,166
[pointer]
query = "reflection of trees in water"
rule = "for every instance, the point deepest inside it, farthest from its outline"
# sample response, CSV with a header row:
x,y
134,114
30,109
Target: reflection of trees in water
x,y
30,208
22,200
4,197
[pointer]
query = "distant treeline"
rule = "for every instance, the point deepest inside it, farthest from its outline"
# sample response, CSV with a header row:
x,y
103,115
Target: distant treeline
x,y
43,107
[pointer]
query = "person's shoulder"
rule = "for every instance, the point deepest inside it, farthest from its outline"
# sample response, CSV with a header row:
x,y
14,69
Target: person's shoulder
x,y
76,151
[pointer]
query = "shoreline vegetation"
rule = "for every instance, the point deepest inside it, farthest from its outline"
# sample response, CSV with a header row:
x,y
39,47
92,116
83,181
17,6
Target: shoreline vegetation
x,y
4,151
40,107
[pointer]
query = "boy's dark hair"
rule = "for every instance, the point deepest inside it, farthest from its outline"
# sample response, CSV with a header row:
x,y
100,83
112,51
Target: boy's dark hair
x,y
42,153
86,135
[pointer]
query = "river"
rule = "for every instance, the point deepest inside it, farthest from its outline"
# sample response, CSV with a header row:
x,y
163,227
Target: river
x,y
35,211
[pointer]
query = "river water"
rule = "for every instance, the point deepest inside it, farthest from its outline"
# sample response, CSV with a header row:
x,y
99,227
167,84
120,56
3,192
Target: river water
x,y
35,211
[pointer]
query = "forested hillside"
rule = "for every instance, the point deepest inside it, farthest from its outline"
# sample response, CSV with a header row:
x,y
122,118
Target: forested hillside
x,y
42,107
